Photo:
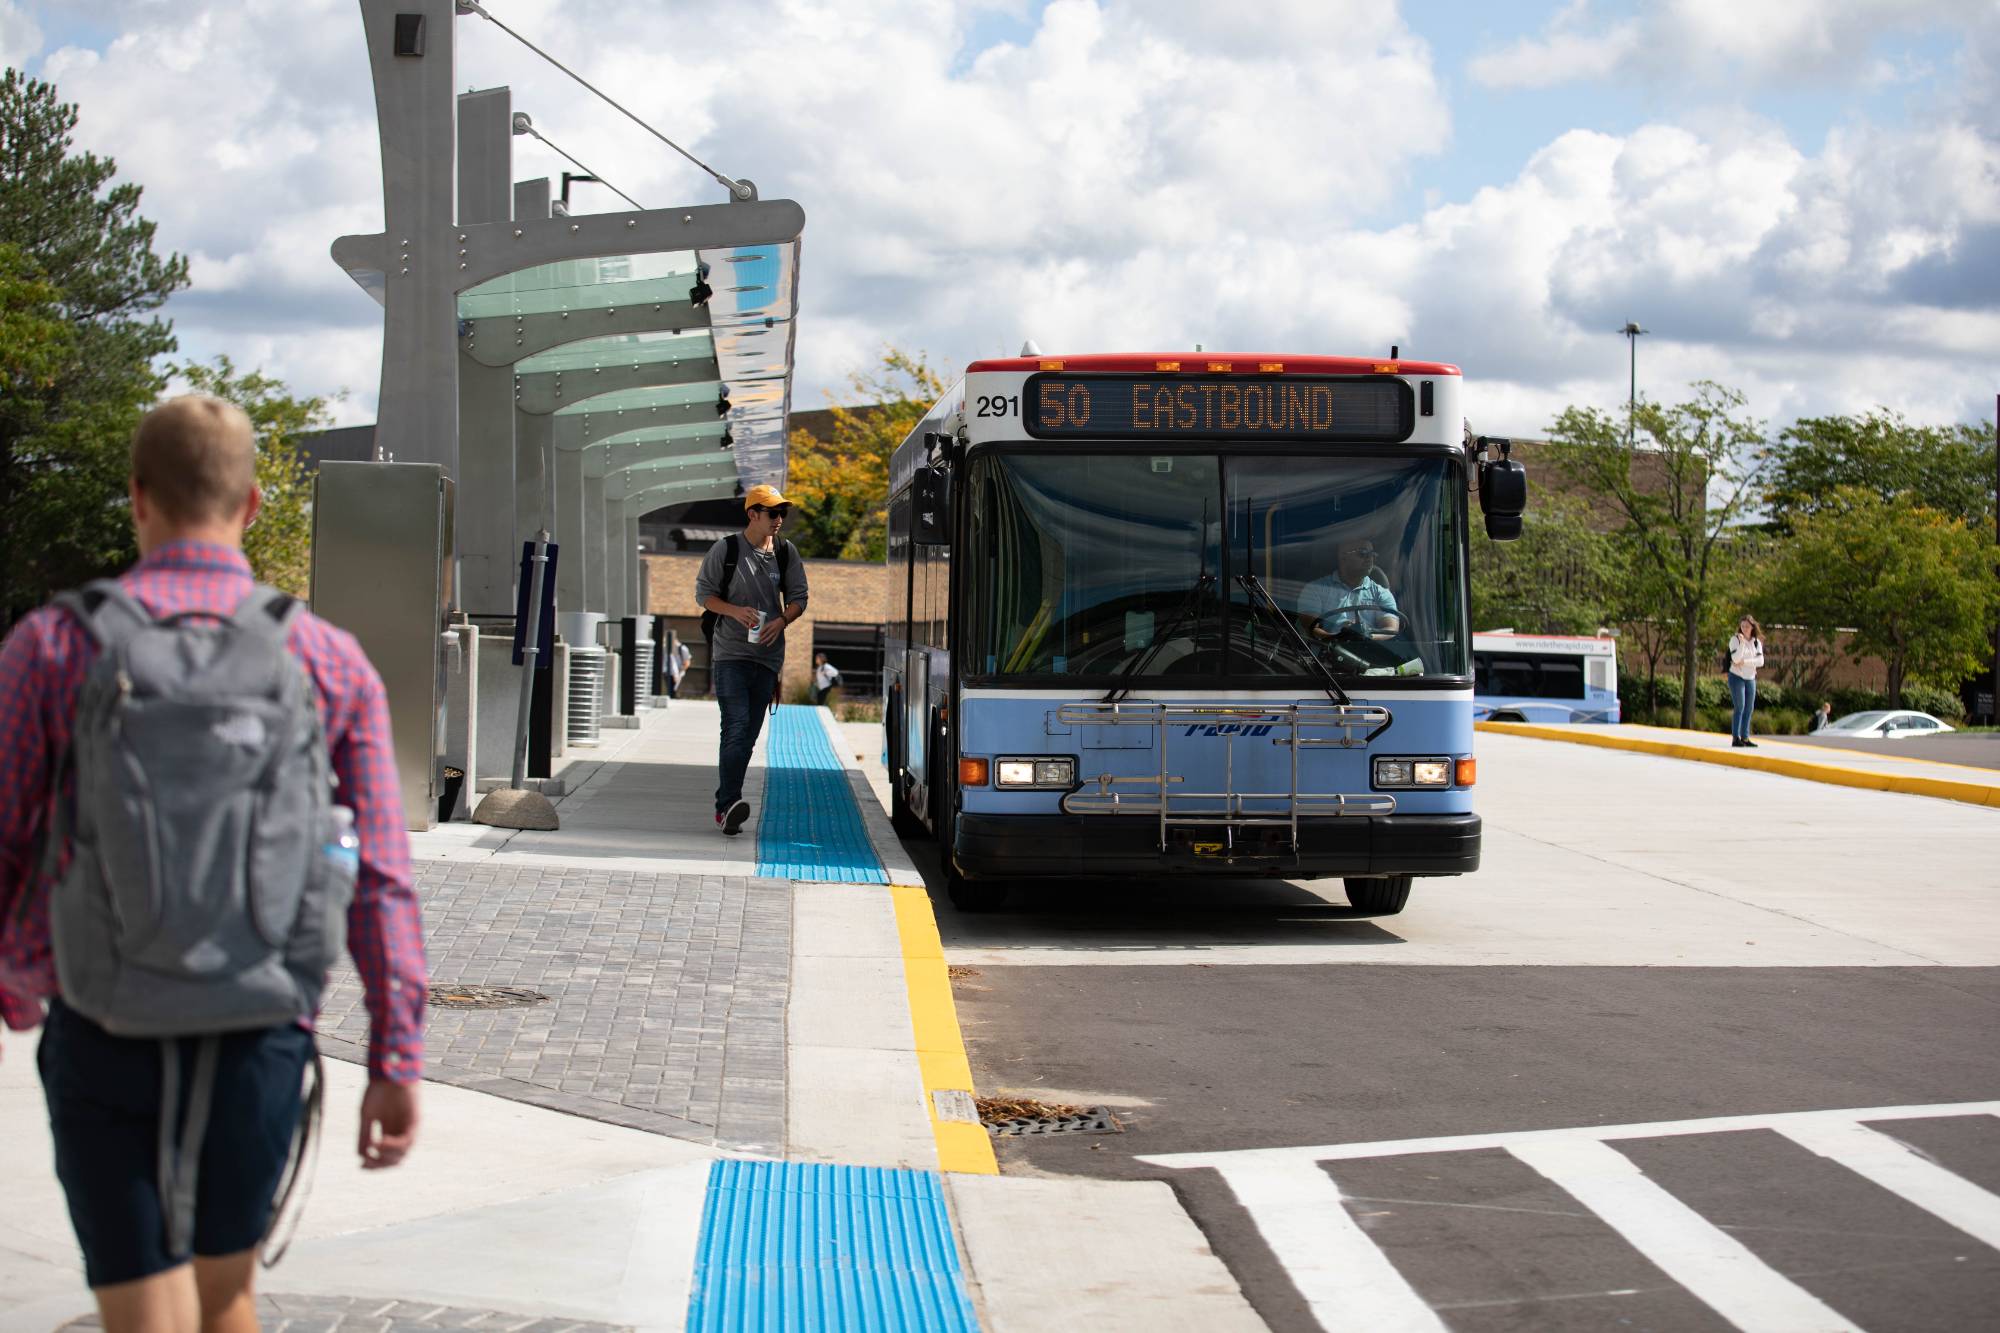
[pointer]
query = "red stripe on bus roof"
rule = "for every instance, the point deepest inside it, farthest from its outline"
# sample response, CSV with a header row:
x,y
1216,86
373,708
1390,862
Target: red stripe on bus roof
x,y
1196,363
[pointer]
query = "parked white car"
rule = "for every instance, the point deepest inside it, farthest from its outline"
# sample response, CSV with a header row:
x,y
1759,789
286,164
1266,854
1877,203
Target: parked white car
x,y
1886,724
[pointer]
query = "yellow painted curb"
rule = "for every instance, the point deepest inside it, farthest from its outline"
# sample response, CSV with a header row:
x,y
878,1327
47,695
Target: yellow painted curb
x,y
962,1146
1972,793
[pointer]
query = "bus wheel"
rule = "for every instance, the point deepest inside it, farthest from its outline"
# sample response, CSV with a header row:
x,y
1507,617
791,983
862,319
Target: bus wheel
x,y
974,895
1384,895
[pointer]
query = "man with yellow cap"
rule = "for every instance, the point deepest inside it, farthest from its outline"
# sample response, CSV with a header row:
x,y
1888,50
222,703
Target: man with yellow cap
x,y
754,587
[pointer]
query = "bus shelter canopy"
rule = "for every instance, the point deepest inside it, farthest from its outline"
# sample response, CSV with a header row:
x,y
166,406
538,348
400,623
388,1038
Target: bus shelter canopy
x,y
671,354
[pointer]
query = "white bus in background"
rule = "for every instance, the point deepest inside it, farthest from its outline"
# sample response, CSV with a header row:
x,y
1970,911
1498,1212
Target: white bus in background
x,y
1544,677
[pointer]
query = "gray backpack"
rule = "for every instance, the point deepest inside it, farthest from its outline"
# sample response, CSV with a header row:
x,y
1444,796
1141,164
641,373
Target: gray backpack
x,y
199,899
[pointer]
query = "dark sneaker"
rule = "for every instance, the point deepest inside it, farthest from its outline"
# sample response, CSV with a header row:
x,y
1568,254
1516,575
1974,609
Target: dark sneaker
x,y
1749,745
732,822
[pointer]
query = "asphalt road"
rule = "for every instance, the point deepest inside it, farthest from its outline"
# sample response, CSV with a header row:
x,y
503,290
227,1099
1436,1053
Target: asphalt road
x,y
1651,943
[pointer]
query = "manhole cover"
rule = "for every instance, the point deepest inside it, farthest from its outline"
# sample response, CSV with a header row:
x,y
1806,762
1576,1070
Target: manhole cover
x,y
448,996
1008,1117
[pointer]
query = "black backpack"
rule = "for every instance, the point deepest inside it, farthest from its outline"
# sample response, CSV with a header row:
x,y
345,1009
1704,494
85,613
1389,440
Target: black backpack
x,y
729,558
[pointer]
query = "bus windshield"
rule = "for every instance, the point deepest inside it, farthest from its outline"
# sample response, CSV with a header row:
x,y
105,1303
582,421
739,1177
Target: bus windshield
x,y
1090,565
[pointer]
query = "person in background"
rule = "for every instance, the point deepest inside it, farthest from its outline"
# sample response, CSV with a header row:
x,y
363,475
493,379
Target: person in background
x,y
1746,655
826,678
766,593
1821,718
678,658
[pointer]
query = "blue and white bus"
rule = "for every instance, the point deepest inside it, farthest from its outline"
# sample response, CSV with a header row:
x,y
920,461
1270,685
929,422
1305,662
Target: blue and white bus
x,y
1544,677
1188,614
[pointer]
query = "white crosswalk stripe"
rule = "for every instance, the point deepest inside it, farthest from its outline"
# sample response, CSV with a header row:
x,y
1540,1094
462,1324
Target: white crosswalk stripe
x,y
1348,1282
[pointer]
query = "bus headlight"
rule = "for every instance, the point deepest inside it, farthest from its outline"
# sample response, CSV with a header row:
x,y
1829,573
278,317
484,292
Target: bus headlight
x,y
1405,773
1035,772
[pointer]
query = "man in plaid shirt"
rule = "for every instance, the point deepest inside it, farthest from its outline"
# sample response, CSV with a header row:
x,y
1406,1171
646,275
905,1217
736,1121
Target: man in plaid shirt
x,y
193,492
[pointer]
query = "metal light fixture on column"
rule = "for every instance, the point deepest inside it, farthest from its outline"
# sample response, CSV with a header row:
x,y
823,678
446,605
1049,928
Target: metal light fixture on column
x,y
1632,332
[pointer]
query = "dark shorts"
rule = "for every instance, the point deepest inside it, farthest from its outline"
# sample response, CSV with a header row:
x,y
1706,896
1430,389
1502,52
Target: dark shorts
x,y
104,1109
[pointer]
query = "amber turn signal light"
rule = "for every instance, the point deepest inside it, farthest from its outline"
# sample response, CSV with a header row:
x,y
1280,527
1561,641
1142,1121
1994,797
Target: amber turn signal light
x,y
1468,772
972,772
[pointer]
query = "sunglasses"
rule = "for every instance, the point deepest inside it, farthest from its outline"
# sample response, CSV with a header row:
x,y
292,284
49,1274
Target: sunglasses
x,y
779,511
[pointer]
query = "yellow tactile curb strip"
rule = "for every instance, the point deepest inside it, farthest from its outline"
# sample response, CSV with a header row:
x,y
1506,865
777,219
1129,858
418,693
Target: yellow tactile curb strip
x,y
962,1145
1974,793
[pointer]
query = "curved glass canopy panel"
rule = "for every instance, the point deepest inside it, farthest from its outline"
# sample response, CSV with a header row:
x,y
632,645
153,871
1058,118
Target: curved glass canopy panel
x,y
585,284
730,309
621,349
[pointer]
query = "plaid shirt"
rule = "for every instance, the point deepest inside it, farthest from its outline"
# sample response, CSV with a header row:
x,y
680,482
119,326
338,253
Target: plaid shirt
x,y
42,665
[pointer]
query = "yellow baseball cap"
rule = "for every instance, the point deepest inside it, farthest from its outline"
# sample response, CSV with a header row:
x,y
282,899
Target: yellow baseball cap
x,y
762,494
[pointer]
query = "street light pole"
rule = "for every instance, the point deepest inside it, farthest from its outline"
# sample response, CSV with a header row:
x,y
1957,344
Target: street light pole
x,y
1632,332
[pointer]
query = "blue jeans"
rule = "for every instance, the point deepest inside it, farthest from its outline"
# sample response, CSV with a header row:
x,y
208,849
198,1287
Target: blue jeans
x,y
1742,694
744,691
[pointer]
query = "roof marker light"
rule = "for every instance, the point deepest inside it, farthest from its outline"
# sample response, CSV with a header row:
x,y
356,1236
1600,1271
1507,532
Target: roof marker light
x,y
1051,365
1270,367
1385,367
1220,367
1166,365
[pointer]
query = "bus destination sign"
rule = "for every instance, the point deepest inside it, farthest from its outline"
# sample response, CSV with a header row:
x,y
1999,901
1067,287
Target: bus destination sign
x,y
1266,407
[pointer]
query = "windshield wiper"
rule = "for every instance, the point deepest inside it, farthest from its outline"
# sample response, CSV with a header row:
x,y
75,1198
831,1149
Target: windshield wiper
x,y
1253,585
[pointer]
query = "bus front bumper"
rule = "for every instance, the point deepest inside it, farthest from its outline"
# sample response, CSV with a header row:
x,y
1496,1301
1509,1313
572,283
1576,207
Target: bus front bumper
x,y
1080,846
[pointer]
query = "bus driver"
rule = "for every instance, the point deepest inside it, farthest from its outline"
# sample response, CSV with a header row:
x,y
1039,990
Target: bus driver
x,y
1351,595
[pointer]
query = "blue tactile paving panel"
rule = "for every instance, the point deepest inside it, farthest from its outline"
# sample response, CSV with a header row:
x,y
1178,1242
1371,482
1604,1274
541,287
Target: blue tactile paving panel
x,y
810,828
803,1245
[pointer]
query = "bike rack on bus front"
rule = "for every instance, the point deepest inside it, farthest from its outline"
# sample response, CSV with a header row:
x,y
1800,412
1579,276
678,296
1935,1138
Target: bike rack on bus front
x,y
1356,725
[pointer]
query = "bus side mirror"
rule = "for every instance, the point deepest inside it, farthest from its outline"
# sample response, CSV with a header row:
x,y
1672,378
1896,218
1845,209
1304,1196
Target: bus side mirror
x,y
1503,492
930,508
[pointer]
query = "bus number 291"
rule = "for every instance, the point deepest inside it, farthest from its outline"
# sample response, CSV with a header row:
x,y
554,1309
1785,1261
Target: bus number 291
x,y
999,405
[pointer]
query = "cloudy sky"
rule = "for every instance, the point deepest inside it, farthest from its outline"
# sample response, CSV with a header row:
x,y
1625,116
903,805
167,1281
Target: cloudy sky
x,y
1800,198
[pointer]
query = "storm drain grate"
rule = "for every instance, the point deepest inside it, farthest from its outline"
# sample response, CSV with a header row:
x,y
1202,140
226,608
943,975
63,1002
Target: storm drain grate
x,y
1012,1117
448,996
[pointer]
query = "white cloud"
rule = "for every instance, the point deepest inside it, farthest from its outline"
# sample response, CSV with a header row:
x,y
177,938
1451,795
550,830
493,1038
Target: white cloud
x,y
1712,42
20,36
1125,175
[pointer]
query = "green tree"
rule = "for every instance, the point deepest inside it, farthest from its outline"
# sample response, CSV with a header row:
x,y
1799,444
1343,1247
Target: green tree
x,y
279,543
841,485
80,243
1689,478
1916,586
1558,577
1945,468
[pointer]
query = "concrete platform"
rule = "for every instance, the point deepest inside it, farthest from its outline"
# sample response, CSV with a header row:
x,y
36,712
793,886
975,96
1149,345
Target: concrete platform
x,y
696,1012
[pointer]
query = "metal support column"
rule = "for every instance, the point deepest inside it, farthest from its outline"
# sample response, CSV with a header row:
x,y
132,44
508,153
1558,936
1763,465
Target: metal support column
x,y
488,547
418,270
635,588
594,584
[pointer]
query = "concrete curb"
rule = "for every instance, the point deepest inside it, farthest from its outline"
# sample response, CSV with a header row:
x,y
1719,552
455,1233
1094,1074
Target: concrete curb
x,y
1947,789
882,837
963,1145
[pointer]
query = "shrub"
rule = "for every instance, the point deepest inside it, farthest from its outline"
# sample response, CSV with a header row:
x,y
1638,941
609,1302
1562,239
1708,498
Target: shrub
x,y
1713,719
1778,721
1712,692
1847,700
1938,703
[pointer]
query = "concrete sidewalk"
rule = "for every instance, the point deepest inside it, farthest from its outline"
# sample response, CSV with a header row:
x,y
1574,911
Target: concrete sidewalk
x,y
682,1010
1883,770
